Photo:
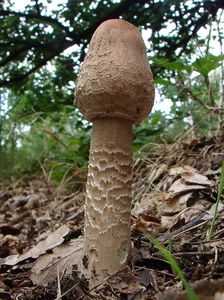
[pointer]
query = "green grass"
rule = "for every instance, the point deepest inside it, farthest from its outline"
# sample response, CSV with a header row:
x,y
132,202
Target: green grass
x,y
220,189
174,265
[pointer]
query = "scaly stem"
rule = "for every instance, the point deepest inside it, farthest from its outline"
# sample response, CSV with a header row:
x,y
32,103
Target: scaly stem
x,y
107,237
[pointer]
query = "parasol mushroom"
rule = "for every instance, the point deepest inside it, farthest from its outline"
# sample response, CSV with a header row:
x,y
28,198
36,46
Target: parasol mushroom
x,y
114,90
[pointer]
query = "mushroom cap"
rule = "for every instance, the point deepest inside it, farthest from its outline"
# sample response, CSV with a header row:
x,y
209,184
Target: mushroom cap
x,y
115,79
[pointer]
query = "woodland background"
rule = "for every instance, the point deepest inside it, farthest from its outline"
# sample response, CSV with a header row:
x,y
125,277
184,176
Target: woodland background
x,y
42,45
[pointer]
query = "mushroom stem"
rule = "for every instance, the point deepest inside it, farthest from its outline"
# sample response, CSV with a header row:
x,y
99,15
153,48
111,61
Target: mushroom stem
x,y
107,238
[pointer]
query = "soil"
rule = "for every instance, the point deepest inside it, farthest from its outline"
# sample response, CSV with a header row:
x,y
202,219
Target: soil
x,y
175,193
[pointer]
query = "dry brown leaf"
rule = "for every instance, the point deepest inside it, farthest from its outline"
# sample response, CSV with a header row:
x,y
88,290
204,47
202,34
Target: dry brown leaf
x,y
54,239
156,172
174,205
179,170
211,211
198,208
195,178
63,258
167,221
219,296
206,289
180,187
145,223
142,207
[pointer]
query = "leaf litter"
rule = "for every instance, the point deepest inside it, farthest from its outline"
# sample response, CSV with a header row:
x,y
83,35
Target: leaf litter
x,y
174,195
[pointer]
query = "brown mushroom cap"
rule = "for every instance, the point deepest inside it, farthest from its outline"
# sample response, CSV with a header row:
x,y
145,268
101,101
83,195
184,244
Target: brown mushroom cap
x,y
115,79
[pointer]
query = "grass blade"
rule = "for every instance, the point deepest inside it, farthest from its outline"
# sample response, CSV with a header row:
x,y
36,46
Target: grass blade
x,y
174,265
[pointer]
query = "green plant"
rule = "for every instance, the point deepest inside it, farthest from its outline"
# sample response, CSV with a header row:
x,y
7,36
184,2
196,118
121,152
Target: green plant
x,y
174,265
59,143
194,89
220,189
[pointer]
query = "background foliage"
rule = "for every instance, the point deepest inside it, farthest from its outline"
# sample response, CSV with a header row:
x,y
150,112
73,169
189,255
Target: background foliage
x,y
42,44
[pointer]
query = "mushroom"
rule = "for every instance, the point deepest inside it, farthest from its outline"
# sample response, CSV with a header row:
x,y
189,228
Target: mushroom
x,y
113,91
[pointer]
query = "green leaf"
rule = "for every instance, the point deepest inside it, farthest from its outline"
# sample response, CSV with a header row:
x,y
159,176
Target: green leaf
x,y
163,82
156,118
208,63
176,65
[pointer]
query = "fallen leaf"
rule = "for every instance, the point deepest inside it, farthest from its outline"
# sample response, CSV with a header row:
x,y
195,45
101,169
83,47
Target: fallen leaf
x,y
145,223
176,204
145,278
208,289
63,258
219,296
195,178
194,211
212,210
181,187
54,239
156,172
179,170
146,205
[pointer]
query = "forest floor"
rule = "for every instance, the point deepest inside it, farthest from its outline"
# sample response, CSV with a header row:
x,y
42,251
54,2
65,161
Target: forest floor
x,y
175,191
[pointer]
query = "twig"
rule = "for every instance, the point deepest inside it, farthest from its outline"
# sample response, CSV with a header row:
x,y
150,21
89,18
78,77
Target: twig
x,y
196,222
59,284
